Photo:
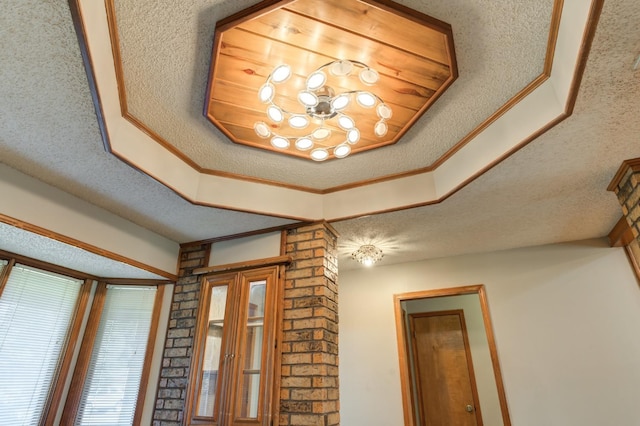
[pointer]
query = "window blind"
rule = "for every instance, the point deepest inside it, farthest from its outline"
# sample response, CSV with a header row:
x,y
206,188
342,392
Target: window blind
x,y
36,309
111,388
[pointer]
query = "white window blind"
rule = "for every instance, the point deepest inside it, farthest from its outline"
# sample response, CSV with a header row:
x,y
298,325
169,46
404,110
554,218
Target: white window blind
x,y
36,309
111,388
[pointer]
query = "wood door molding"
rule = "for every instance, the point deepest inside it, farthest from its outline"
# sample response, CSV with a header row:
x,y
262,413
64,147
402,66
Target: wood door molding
x,y
403,351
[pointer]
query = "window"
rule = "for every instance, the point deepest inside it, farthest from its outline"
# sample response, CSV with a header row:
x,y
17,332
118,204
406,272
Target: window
x,y
41,315
36,311
114,361
234,350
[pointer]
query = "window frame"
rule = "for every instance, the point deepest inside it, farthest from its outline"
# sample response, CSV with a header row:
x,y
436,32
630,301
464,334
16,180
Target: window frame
x,y
72,403
66,370
65,360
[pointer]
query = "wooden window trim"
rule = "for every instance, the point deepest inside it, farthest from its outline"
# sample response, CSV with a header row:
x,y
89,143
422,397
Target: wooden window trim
x,y
55,395
4,275
50,267
148,357
64,365
240,266
82,365
81,370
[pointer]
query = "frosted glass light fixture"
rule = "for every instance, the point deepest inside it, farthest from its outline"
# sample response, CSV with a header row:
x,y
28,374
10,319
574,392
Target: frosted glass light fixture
x,y
367,254
330,126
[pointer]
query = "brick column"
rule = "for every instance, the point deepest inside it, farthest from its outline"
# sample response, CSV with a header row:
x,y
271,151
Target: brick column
x,y
309,370
626,186
179,343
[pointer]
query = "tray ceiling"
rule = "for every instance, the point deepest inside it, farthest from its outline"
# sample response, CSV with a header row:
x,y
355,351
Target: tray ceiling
x,y
165,57
354,76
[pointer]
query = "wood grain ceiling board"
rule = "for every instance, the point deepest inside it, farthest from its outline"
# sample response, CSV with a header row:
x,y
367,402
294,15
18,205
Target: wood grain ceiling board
x,y
412,52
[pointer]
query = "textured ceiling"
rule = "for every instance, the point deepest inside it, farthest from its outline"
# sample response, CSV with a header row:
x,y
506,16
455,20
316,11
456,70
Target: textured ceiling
x,y
166,53
552,190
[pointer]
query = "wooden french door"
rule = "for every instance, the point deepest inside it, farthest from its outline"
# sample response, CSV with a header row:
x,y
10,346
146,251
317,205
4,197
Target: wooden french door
x,y
445,383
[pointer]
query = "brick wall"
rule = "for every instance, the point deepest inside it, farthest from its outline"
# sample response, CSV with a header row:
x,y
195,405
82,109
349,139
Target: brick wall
x,y
309,383
179,343
309,368
626,186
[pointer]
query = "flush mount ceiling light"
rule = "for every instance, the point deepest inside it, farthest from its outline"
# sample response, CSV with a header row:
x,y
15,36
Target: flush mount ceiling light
x,y
323,109
384,66
367,254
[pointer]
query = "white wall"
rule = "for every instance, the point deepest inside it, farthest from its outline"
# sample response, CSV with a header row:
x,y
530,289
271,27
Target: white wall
x,y
566,319
37,203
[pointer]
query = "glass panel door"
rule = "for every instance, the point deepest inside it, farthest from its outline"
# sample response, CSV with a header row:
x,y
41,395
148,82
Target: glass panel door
x,y
252,350
212,353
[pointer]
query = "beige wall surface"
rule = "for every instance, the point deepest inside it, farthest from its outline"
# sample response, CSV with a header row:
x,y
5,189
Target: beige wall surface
x,y
36,203
567,325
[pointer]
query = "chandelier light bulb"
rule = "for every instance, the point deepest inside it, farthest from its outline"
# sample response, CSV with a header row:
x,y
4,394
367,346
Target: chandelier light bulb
x,y
262,129
298,121
380,128
321,133
319,154
304,143
341,68
369,76
280,142
346,122
384,111
353,136
266,93
366,99
316,80
342,150
281,73
340,102
308,99
275,114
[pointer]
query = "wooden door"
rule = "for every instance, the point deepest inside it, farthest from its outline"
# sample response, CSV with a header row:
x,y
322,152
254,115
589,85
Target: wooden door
x,y
445,383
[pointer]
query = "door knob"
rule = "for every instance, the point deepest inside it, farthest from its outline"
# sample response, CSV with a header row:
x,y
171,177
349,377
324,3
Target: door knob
x,y
469,408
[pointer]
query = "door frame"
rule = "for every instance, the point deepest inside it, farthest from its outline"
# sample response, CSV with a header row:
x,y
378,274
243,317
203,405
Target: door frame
x,y
404,342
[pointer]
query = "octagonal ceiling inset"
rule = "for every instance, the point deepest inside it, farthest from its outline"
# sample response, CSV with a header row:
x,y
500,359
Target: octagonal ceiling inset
x,y
315,79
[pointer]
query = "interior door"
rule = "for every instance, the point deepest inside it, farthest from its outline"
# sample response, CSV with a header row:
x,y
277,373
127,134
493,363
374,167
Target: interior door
x,y
445,383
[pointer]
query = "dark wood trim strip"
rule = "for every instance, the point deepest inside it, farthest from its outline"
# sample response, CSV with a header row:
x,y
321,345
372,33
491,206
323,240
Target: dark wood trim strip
x,y
135,282
554,30
78,24
494,356
148,357
35,263
585,49
239,266
55,398
635,262
84,358
4,275
112,23
84,246
621,235
633,164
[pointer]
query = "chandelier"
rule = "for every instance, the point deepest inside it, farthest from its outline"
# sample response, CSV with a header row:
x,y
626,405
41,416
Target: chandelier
x,y
324,109
367,254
